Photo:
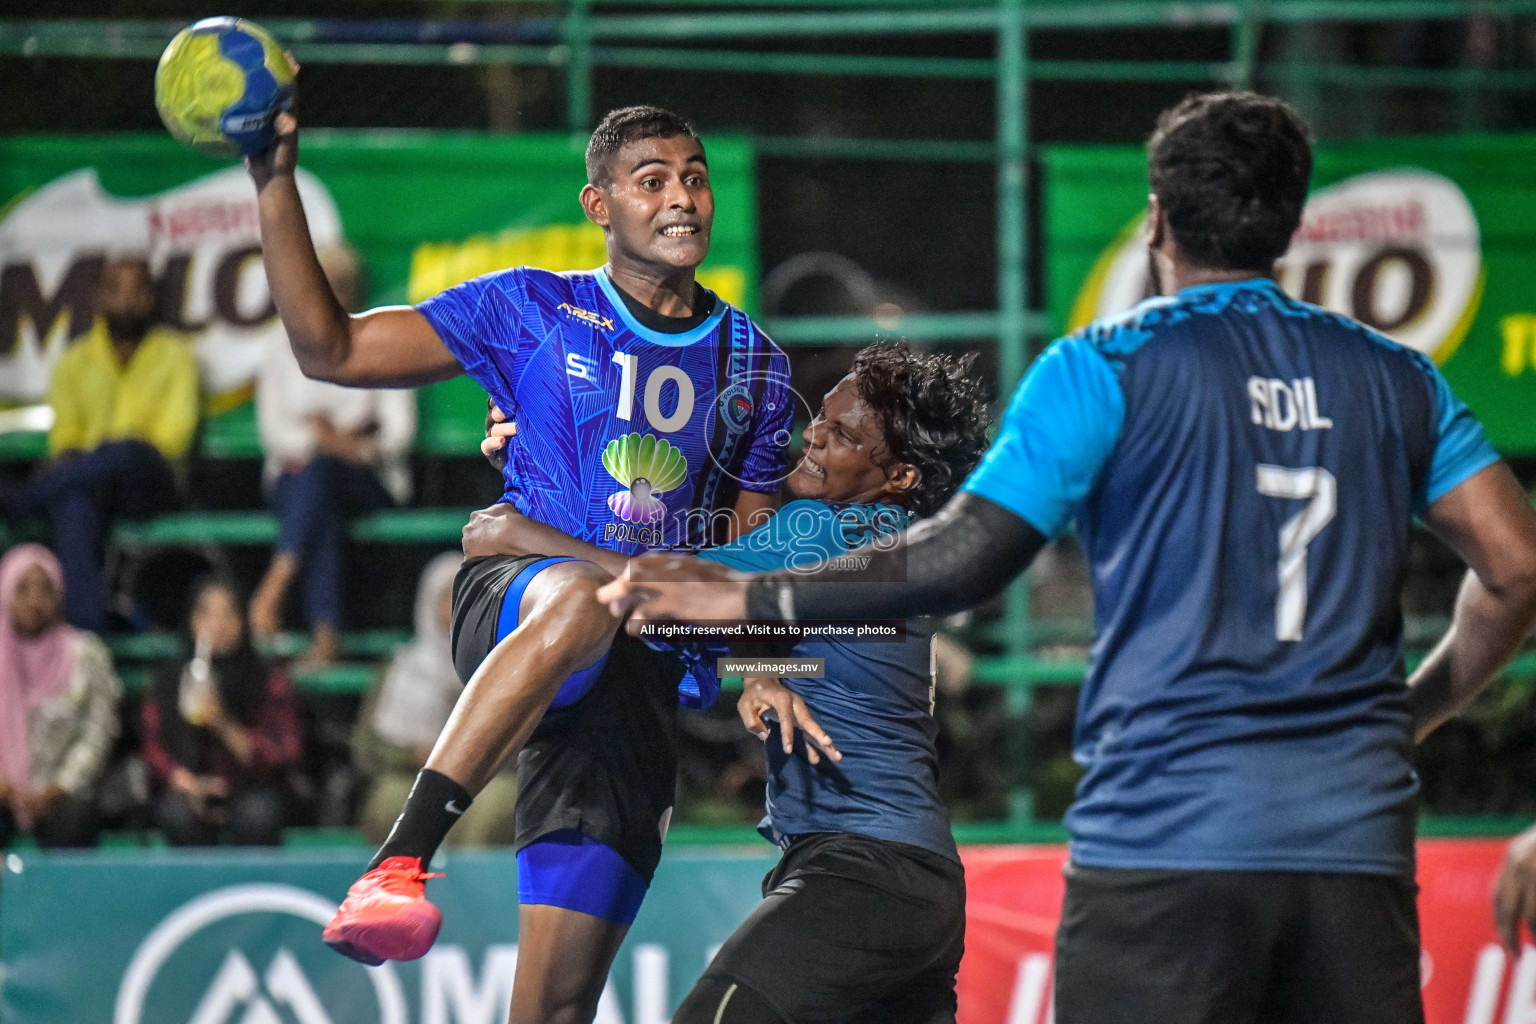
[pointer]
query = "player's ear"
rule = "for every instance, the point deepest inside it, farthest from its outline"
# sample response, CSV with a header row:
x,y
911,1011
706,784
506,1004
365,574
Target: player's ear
x,y
1157,224
594,203
903,478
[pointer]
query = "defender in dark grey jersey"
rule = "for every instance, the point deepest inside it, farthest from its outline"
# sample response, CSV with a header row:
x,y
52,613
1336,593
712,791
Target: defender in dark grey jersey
x,y
863,920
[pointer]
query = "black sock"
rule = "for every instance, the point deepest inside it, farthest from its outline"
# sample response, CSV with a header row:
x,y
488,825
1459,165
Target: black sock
x,y
434,806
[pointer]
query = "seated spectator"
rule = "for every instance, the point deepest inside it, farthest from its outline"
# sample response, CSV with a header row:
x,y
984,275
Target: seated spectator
x,y
332,453
58,707
400,721
220,728
124,401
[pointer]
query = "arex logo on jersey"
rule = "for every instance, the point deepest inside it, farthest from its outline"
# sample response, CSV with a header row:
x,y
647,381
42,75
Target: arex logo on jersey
x,y
586,316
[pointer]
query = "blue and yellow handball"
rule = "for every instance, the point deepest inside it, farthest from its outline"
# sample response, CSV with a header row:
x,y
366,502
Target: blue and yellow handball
x,y
220,85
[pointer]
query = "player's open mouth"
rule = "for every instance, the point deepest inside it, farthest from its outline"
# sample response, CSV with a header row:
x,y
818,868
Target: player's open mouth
x,y
679,230
812,468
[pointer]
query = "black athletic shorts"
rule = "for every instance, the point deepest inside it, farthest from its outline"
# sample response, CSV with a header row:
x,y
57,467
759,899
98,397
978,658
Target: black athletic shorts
x,y
605,766
853,929
1237,947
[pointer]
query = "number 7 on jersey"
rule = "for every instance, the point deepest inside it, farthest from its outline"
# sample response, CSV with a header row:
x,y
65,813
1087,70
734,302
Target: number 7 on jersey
x,y
1317,487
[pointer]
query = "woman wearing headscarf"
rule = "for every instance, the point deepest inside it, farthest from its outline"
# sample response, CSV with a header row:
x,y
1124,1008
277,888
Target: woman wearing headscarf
x,y
58,707
400,721
220,728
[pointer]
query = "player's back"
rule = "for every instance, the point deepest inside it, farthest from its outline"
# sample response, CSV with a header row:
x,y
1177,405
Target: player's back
x,y
1248,533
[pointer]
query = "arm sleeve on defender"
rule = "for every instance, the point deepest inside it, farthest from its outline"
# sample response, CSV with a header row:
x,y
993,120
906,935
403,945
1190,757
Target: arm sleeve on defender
x,y
964,555
1057,434
481,314
1460,447
763,467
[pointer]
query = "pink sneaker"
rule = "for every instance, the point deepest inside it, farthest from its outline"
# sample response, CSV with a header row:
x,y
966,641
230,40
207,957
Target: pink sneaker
x,y
386,915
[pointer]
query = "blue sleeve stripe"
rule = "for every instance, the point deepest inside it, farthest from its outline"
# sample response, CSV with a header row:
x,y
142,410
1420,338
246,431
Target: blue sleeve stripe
x,y
1059,430
1461,449
1465,470
1042,518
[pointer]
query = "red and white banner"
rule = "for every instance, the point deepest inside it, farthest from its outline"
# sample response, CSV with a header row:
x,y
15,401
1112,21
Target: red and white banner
x,y
1014,901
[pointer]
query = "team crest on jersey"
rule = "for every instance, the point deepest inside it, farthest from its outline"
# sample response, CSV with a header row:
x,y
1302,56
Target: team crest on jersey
x,y
645,466
586,316
736,407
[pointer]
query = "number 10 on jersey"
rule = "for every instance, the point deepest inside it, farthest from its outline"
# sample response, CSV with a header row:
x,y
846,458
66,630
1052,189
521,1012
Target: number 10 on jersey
x,y
629,366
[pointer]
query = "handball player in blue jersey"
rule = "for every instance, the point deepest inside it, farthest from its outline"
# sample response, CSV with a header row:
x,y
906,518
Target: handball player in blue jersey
x,y
1243,470
863,919
647,404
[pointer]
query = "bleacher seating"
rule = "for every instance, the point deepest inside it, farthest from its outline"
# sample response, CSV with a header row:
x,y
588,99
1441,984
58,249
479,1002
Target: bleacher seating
x,y
450,424
391,526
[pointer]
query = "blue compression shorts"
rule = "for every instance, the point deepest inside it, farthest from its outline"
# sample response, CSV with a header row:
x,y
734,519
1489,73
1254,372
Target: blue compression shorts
x,y
579,682
571,871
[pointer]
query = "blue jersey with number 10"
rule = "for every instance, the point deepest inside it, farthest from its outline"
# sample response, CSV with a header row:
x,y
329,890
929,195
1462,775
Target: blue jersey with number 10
x,y
627,436
1243,469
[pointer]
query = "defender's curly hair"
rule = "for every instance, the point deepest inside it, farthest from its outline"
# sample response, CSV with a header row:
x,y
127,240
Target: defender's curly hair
x,y
1230,170
932,412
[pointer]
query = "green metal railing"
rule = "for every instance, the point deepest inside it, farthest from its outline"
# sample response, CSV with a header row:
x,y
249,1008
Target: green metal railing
x,y
693,34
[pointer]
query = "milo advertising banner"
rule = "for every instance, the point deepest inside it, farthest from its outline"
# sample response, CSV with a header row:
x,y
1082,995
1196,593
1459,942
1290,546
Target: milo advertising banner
x,y
423,210
1432,241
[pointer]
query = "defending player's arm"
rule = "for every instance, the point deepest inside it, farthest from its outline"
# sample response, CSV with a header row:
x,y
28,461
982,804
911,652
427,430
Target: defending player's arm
x,y
503,530
1488,521
964,555
1474,504
393,346
1060,427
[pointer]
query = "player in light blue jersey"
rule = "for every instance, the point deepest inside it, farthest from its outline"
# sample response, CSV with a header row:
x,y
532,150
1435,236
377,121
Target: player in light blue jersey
x,y
648,404
1243,470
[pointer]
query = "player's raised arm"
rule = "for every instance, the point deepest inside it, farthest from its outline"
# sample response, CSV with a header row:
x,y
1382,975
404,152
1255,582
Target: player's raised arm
x,y
393,346
1488,521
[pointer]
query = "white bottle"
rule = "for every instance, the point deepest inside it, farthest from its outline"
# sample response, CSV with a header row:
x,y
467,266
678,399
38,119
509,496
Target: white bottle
x,y
196,694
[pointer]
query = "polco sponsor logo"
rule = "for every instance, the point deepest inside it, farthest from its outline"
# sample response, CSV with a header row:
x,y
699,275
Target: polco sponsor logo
x,y
1398,250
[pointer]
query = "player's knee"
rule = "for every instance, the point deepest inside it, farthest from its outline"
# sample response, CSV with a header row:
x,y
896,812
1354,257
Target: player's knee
x,y
718,1000
564,596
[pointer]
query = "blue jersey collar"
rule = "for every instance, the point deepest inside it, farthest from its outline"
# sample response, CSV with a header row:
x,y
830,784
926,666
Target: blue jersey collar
x,y
616,300
1195,291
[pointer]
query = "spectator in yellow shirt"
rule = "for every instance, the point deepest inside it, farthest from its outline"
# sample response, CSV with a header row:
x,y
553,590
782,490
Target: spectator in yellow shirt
x,y
124,399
